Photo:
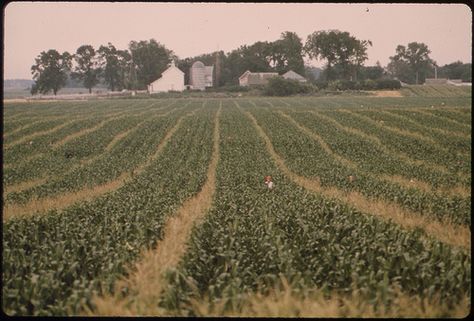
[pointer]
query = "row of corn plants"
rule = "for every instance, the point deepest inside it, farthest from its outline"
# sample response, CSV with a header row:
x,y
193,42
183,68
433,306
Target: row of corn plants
x,y
379,102
26,110
437,91
306,157
252,236
54,263
369,157
73,122
407,145
452,148
56,110
461,115
126,155
55,160
429,119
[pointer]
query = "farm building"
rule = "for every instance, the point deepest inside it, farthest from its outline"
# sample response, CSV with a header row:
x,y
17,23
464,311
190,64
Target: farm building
x,y
171,79
201,76
293,75
255,78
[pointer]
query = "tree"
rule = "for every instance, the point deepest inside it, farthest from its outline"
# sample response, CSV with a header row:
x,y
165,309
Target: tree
x,y
456,70
257,57
149,59
372,72
50,71
127,70
337,48
416,57
86,69
287,53
114,65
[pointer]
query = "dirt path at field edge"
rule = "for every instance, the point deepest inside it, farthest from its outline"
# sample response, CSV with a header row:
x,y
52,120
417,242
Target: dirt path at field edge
x,y
443,231
147,280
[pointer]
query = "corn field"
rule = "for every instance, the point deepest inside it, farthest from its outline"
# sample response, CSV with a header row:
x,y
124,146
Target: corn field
x,y
371,199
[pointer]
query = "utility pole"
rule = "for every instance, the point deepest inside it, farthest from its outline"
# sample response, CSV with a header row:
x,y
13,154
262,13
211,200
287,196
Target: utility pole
x,y
218,67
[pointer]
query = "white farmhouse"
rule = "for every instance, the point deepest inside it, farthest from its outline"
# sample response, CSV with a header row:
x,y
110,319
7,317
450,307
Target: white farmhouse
x,y
171,79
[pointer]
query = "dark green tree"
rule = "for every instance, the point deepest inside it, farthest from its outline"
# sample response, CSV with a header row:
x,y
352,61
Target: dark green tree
x,y
371,72
127,70
50,71
109,64
456,70
337,48
115,66
86,69
149,59
256,58
287,53
412,59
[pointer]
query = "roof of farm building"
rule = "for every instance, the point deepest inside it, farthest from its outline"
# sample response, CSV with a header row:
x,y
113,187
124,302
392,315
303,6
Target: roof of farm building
x,y
258,75
198,64
293,75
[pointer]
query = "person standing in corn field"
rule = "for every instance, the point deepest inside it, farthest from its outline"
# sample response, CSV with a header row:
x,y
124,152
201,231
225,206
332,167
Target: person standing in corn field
x,y
269,182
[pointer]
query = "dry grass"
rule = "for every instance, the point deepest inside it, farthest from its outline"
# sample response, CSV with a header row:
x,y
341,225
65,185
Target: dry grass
x,y
387,93
284,301
147,277
443,231
23,185
42,205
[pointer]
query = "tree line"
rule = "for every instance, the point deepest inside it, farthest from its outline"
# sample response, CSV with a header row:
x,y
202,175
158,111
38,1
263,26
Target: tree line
x,y
144,61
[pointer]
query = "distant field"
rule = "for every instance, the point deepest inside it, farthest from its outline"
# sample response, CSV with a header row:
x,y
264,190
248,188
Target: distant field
x,y
23,93
437,91
370,214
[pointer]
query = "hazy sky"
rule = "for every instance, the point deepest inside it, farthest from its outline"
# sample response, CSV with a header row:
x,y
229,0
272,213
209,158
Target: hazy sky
x,y
190,29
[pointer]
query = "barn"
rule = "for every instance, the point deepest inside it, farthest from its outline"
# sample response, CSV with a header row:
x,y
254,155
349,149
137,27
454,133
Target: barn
x,y
255,78
172,79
